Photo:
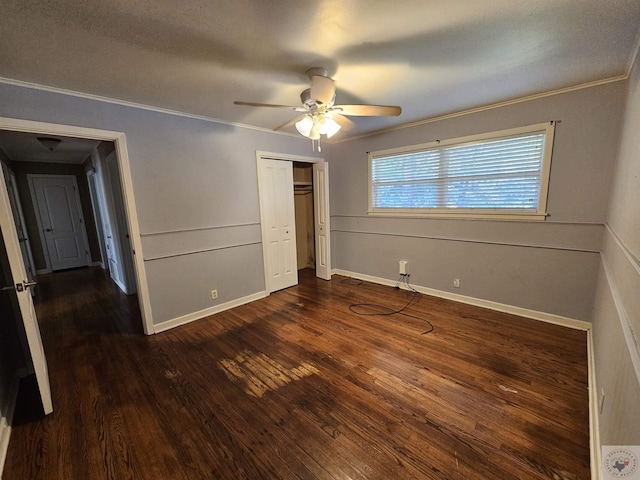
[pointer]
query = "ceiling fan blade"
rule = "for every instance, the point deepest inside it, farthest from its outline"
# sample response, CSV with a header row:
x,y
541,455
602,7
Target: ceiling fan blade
x,y
343,121
322,89
254,104
290,123
368,110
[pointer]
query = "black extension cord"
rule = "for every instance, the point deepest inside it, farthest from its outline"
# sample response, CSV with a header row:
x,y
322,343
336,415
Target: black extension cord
x,y
387,311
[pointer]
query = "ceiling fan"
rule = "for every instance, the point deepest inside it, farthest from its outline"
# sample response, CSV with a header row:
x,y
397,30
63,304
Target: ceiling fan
x,y
320,115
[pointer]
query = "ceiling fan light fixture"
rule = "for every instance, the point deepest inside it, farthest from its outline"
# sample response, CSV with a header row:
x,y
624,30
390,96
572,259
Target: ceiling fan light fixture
x,y
329,126
50,143
314,125
305,125
314,134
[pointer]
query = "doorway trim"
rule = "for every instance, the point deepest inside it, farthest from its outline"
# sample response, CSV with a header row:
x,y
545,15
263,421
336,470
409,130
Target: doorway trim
x,y
262,155
118,138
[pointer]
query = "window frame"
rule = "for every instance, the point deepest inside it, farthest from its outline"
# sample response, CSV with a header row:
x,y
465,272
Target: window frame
x,y
540,212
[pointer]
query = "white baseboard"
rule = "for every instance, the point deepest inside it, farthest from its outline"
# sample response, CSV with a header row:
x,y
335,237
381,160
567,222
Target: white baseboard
x,y
191,317
478,302
5,422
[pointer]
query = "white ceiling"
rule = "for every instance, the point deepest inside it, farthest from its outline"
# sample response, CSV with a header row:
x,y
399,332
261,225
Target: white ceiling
x,y
430,57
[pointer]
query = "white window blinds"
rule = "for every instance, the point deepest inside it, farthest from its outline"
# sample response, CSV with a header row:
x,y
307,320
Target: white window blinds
x,y
494,173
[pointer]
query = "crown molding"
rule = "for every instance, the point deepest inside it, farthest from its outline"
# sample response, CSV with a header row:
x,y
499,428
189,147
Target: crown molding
x,y
142,106
460,113
634,55
491,106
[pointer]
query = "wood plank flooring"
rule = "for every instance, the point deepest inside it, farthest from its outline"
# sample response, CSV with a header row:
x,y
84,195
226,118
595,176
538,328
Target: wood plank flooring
x,y
297,386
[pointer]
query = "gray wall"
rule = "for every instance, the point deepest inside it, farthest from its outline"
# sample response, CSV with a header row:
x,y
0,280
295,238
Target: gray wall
x,y
196,194
617,307
549,266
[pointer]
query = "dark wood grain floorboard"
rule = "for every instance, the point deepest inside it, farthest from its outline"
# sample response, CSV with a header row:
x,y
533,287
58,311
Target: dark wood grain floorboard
x,y
297,386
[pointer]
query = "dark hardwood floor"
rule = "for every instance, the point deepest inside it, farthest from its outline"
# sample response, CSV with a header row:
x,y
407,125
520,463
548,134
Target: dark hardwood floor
x,y
297,386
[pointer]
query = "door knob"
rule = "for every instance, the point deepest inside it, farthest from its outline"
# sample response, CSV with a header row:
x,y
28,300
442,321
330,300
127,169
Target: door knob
x,y
30,284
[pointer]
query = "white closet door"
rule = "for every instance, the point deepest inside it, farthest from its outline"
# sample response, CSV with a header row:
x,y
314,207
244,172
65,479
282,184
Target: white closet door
x,y
279,223
321,214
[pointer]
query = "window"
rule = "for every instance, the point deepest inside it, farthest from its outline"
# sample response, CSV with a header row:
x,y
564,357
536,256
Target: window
x,y
502,173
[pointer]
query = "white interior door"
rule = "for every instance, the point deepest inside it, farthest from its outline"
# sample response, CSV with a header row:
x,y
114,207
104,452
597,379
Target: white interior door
x,y
25,302
321,219
113,259
18,217
60,214
97,216
278,218
105,199
119,226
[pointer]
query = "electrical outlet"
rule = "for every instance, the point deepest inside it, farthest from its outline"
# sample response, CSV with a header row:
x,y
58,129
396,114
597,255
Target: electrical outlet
x,y
456,282
402,266
214,294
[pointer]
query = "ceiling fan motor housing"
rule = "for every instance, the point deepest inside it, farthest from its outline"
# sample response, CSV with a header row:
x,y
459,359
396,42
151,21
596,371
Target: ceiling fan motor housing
x,y
317,71
305,98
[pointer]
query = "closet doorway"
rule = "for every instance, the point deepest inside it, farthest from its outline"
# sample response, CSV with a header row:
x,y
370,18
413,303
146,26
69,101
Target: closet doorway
x,y
303,204
294,214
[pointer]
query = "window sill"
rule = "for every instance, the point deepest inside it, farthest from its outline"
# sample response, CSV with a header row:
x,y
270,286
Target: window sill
x,y
460,215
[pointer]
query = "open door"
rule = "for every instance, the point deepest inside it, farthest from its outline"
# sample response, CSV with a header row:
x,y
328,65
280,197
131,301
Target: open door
x,y
278,218
321,214
114,223
119,227
25,302
18,217
97,216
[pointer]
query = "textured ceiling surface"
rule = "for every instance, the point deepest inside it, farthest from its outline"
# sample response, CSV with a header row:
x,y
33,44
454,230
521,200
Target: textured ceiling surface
x,y
429,57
